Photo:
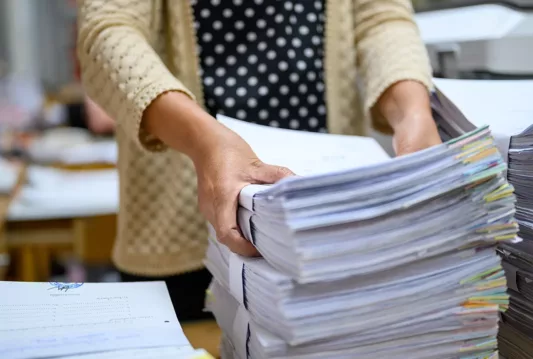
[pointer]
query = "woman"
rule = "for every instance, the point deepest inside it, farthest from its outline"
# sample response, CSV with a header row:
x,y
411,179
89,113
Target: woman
x,y
163,68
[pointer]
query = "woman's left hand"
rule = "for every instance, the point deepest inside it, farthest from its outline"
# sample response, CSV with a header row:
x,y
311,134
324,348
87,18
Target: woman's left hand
x,y
406,107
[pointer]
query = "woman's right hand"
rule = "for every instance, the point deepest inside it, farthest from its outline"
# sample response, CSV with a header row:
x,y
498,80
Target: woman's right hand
x,y
224,162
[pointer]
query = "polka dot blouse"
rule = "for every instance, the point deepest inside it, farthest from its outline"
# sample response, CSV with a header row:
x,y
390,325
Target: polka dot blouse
x,y
262,60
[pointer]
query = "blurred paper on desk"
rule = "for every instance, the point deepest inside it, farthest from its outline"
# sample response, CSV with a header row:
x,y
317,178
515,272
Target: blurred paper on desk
x,y
367,258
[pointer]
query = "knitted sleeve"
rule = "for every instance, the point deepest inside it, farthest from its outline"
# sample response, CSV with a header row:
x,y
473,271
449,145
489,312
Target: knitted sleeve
x,y
389,49
121,71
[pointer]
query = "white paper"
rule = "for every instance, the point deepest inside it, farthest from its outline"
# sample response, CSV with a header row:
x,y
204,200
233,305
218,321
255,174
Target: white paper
x,y
236,266
481,22
150,353
40,320
240,330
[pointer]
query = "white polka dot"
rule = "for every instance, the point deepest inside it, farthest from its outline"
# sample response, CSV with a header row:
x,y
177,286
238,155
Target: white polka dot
x,y
313,122
227,13
311,17
231,60
249,12
294,124
241,91
207,37
262,68
294,77
298,8
294,101
263,114
252,102
312,99
273,102
220,71
301,65
211,102
263,91
252,59
311,76
237,2
284,90
205,13
241,114
302,88
261,23
316,40
273,124
229,102
271,55
278,18
291,54
252,81
288,30
309,52
217,25
320,87
321,109
208,81
270,10
229,37
304,30
293,20
251,36
273,78
288,5
215,2
231,81
280,41
241,71
303,111
209,61
258,2
283,66
219,49
239,25
318,64
219,91
296,42
271,32
262,46
318,5
241,48
283,113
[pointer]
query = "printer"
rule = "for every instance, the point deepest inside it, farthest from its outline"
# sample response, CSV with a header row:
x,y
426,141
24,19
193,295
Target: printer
x,y
480,41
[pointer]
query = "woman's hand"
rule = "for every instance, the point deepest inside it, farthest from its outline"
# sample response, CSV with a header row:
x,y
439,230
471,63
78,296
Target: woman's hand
x,y
224,162
405,105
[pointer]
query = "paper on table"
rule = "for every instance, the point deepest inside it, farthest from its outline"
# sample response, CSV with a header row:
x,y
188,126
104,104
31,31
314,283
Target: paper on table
x,y
305,153
151,353
39,320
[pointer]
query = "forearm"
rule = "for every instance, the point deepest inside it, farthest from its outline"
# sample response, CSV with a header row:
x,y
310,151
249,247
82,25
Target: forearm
x,y
180,123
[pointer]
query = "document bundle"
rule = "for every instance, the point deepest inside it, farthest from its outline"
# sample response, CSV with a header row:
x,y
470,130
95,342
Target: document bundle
x,y
366,256
506,106
91,321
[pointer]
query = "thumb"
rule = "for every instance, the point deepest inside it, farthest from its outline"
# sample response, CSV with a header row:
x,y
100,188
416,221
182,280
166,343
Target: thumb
x,y
268,174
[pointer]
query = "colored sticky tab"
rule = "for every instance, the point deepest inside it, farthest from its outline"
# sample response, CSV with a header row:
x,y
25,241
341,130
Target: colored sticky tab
x,y
236,280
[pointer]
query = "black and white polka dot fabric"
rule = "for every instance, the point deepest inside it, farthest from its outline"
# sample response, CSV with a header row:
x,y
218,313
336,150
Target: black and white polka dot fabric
x,y
262,60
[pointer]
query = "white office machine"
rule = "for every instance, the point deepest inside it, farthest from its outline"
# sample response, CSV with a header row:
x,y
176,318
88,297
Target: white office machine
x,y
479,41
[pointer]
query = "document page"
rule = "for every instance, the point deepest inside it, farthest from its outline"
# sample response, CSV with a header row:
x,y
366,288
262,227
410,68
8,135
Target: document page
x,y
39,320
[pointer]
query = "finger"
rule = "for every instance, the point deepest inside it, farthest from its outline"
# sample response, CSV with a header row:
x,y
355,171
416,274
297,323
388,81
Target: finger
x,y
227,229
269,174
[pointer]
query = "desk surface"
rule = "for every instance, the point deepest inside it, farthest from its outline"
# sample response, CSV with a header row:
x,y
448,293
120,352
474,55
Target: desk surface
x,y
205,335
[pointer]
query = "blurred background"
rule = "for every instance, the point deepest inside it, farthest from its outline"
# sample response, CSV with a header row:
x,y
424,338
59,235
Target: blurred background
x,y
58,184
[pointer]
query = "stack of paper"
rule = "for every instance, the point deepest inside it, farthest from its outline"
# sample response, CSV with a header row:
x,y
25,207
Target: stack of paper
x,y
506,106
392,259
90,321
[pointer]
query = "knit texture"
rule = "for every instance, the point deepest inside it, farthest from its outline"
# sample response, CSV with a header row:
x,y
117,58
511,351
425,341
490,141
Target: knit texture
x,y
132,51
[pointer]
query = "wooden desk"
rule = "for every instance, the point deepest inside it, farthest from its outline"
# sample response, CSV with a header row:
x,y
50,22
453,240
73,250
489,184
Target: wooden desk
x,y
205,335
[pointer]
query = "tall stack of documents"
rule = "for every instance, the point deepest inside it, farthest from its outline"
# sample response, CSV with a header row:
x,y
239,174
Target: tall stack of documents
x,y
370,257
506,106
91,321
